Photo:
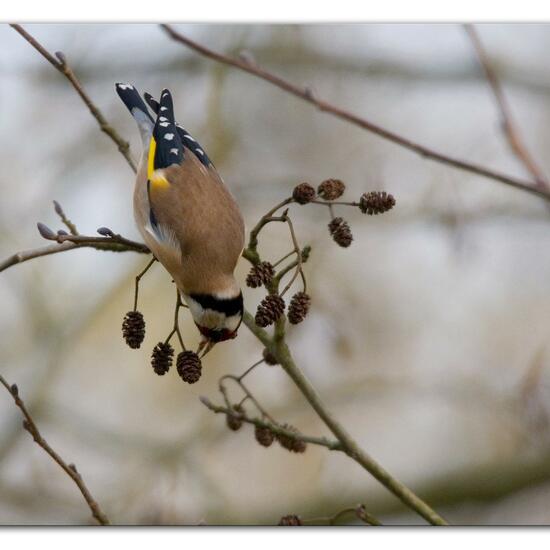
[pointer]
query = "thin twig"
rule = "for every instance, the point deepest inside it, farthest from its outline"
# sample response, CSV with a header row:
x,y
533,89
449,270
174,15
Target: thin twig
x,y
138,279
60,63
251,251
108,244
249,369
69,469
245,390
360,512
325,106
275,428
68,223
508,125
298,270
179,304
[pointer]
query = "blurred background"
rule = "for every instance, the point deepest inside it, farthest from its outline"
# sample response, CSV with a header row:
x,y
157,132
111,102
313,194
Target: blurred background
x,y
428,337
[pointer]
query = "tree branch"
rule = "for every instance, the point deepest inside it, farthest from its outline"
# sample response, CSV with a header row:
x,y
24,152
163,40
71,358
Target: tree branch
x,y
71,242
62,66
350,446
277,346
508,126
325,106
69,469
275,428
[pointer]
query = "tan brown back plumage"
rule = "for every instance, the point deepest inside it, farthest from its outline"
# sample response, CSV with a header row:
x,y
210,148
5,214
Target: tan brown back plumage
x,y
205,219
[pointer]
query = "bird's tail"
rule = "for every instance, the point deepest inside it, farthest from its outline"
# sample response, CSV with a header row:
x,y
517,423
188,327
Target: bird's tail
x,y
131,98
188,141
166,146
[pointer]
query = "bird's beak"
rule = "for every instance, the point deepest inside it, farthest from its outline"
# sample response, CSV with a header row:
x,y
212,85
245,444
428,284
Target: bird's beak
x,y
205,345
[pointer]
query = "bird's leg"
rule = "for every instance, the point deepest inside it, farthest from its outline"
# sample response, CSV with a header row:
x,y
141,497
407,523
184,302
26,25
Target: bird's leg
x,y
179,304
138,277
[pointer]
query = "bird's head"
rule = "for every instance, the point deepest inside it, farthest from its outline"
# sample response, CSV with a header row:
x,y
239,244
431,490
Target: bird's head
x,y
217,316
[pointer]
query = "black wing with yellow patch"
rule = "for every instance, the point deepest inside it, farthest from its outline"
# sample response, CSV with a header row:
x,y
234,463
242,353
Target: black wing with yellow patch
x,y
190,143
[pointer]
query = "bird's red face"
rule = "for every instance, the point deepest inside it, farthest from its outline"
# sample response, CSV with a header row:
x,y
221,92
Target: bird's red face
x,y
217,335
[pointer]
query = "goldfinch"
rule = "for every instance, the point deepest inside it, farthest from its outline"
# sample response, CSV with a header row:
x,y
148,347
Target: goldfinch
x,y
187,216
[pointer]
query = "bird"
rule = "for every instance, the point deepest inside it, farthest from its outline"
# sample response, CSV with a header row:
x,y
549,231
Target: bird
x,y
187,216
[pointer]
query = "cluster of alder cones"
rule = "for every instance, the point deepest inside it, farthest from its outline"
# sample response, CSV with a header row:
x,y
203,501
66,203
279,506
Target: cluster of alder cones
x,y
273,306
371,203
188,363
264,435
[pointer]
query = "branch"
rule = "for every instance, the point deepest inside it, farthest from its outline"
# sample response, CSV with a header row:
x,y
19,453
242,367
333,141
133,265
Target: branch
x,y
275,428
351,448
325,106
508,126
360,512
116,243
60,63
69,469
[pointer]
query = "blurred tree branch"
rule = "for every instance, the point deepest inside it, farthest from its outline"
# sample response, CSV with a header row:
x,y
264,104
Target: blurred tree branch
x,y
63,67
508,125
69,469
306,94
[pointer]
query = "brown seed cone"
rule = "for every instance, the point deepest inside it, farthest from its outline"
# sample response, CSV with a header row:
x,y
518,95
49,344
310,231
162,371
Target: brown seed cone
x,y
133,329
269,310
341,232
332,189
298,307
264,436
376,202
162,357
233,421
303,193
290,520
269,358
189,366
260,274
289,443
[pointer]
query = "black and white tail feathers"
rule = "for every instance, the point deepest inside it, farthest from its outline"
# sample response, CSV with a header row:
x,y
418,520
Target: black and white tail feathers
x,y
131,98
189,142
169,150
168,144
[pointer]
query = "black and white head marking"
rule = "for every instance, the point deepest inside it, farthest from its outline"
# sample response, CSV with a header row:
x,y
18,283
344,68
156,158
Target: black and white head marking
x,y
216,313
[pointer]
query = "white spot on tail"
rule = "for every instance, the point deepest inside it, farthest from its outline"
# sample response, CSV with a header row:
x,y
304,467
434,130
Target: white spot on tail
x,y
164,108
174,151
164,124
163,118
125,86
169,137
